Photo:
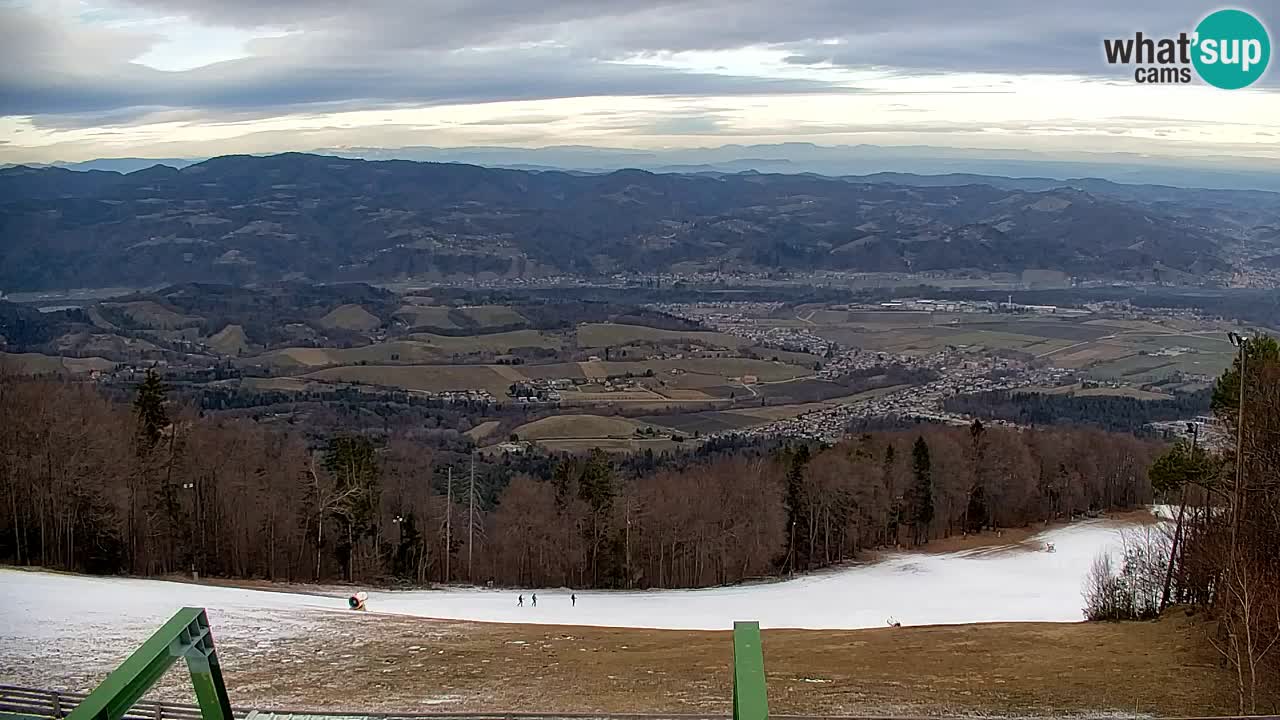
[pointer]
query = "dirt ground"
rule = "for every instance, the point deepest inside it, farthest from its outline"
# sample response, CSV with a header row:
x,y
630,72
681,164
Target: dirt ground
x,y
385,663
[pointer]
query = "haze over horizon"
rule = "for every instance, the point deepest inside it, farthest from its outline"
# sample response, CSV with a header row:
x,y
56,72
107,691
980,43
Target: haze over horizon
x,y
87,79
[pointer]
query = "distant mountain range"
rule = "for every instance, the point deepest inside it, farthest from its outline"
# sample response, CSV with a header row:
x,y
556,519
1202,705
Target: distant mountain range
x,y
246,219
1221,172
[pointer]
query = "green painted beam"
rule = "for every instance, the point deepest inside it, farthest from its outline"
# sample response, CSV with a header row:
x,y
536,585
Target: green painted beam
x,y
185,636
750,696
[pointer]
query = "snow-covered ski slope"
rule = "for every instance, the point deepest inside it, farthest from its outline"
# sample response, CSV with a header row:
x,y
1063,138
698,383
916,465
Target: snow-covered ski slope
x,y
997,584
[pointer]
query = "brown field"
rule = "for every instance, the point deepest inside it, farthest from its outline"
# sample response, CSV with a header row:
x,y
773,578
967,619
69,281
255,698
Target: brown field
x,y
286,384
399,351
490,315
154,315
386,663
602,334
350,317
628,396
685,394
230,340
497,342
615,445
426,316
579,427
593,370
430,378
38,364
1091,353
765,370
482,431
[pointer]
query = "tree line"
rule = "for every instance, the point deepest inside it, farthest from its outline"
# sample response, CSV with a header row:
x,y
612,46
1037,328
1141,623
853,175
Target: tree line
x,y
1222,555
1110,412
153,487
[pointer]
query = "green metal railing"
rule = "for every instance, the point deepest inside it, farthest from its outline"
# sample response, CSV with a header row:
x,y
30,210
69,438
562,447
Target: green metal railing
x,y
187,636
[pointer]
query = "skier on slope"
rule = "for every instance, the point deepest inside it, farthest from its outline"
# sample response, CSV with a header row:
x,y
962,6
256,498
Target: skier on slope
x,y
573,599
535,599
520,601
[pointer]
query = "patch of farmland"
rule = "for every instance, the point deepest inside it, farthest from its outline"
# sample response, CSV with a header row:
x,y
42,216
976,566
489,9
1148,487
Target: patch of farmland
x,y
609,334
579,426
230,340
428,378
494,315
350,317
502,342
702,422
431,316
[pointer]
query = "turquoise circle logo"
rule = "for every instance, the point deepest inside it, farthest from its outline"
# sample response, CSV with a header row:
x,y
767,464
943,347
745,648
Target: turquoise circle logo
x,y
1232,49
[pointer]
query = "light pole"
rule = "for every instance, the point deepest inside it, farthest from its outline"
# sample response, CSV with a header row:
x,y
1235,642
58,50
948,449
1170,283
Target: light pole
x,y
1241,342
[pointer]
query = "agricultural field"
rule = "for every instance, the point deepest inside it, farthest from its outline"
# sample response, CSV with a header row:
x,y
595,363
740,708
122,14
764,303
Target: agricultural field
x,y
435,316
1135,351
559,427
427,378
153,315
398,351
503,342
493,316
230,340
350,317
597,335
38,364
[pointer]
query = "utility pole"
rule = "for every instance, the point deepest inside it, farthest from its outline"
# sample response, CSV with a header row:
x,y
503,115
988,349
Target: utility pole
x,y
471,514
448,526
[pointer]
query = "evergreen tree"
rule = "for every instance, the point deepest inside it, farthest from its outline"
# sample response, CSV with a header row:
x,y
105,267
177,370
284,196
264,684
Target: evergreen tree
x,y
149,407
798,540
353,463
921,490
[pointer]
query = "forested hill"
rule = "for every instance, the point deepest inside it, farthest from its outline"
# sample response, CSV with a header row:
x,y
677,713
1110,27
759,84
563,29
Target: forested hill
x,y
91,484
243,219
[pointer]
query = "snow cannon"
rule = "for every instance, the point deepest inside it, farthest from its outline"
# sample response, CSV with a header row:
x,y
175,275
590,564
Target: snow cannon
x,y
358,600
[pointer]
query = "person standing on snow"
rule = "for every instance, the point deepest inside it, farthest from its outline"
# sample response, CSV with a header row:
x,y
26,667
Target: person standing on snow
x,y
573,599
520,601
535,599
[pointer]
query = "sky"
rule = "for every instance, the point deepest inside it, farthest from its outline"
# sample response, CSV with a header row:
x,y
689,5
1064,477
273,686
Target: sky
x,y
82,79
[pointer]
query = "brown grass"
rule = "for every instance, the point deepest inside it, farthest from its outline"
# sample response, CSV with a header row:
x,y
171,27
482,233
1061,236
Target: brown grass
x,y
386,663
350,317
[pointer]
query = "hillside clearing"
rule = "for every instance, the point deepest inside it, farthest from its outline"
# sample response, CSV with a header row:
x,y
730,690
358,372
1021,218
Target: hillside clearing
x,y
350,317
579,426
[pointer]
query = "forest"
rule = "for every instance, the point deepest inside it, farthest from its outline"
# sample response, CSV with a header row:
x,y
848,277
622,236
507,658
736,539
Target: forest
x,y
1109,412
153,486
1218,558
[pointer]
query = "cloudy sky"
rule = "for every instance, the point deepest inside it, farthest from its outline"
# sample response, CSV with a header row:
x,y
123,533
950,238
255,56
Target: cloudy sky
x,y
192,78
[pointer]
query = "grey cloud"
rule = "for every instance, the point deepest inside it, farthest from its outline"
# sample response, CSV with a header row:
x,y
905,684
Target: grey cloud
x,y
45,84
388,53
